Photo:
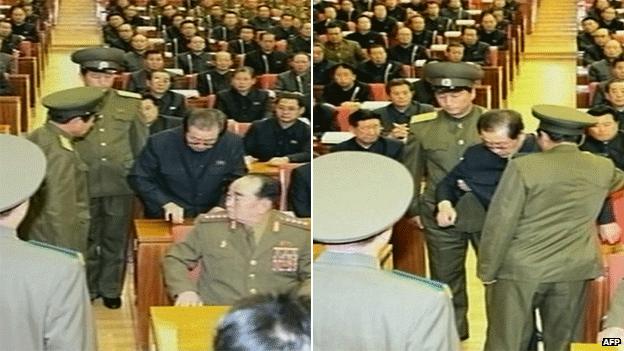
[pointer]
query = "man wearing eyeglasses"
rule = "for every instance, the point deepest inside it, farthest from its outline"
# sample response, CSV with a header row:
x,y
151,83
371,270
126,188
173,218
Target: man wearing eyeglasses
x,y
283,138
184,171
109,149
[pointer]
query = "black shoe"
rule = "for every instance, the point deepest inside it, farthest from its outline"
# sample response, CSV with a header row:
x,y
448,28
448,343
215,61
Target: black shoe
x,y
112,302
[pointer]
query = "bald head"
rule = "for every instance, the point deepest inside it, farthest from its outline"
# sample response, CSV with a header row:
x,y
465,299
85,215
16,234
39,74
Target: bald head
x,y
612,49
601,36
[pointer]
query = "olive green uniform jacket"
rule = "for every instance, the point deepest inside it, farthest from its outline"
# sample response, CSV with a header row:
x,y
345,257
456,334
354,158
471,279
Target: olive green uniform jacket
x,y
358,306
111,146
541,224
59,211
233,266
44,301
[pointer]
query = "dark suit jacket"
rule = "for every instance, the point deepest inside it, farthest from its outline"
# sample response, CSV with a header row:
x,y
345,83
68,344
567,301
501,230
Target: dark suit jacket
x,y
368,72
277,62
299,194
266,139
238,46
164,123
137,81
194,63
244,108
211,82
407,55
335,95
27,30
172,104
383,146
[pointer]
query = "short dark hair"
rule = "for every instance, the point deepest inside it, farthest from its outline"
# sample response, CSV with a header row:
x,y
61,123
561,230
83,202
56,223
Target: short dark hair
x,y
465,28
266,323
245,69
187,21
333,25
616,61
377,46
397,82
113,14
270,188
150,74
454,45
291,96
497,119
362,115
205,118
153,52
589,18
602,110
263,34
611,82
246,27
558,137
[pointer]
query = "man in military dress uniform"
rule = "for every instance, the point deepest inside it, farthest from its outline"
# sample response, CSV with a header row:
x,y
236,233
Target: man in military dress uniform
x,y
44,300
410,312
247,250
109,151
539,247
59,211
435,145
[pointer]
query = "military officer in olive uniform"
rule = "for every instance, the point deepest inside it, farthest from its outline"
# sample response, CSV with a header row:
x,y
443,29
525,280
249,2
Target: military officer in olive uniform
x,y
44,302
59,212
539,247
249,249
410,312
109,151
436,143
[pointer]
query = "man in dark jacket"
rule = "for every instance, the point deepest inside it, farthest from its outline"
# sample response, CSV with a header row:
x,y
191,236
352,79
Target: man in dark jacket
x,y
242,102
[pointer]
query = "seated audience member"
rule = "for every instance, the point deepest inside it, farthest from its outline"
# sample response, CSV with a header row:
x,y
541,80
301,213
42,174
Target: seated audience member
x,y
345,87
584,38
9,41
301,42
153,60
245,42
378,69
228,30
188,30
617,72
395,11
27,31
44,297
284,30
489,34
217,78
321,66
423,92
341,50
131,15
248,238
194,60
454,11
420,34
433,20
381,22
59,211
405,51
124,36
266,323
169,103
262,20
601,70
396,117
299,193
323,120
134,59
475,51
614,326
363,34
604,138
6,64
329,20
609,21
366,126
283,138
243,102
482,165
297,79
412,313
152,117
109,30
183,171
614,96
454,52
347,12
595,52
267,60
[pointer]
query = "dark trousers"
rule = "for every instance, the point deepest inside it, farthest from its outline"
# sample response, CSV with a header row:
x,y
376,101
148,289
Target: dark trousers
x,y
510,308
108,240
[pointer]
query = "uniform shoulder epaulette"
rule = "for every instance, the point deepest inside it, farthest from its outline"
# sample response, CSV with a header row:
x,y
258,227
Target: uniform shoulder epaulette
x,y
423,117
65,251
293,221
424,281
220,216
128,94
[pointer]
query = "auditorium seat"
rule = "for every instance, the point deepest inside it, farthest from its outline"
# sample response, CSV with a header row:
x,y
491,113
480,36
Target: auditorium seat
x,y
285,172
266,81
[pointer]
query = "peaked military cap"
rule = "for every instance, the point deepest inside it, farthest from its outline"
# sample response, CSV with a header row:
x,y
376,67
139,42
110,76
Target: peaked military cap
x,y
66,104
562,120
357,195
99,59
22,169
452,75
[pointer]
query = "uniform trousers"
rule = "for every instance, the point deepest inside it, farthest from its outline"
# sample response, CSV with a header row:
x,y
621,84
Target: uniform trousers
x,y
446,251
108,240
510,305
